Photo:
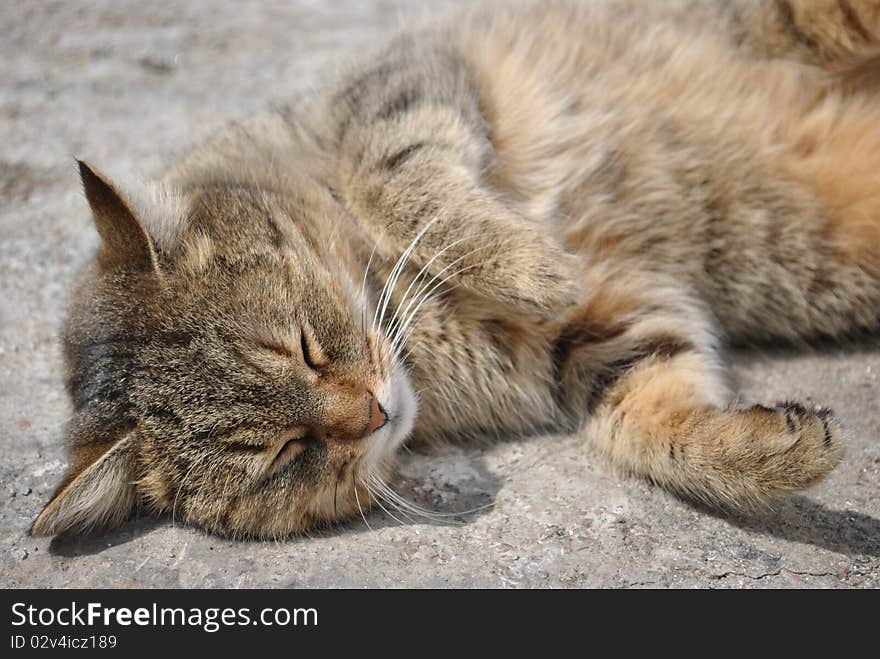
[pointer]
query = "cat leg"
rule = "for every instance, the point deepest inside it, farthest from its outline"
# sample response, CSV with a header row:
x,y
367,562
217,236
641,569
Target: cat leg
x,y
659,421
651,380
414,147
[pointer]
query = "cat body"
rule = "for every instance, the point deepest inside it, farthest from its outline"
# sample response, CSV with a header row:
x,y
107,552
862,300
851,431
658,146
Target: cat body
x,y
531,217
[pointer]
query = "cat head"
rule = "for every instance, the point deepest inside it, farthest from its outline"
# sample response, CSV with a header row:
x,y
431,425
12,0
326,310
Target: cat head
x,y
222,367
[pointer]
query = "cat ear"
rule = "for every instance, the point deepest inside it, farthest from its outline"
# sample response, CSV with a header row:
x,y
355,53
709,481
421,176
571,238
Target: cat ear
x,y
98,490
125,242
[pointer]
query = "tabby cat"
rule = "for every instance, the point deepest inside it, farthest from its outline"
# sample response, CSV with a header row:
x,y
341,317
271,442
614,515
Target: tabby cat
x,y
531,217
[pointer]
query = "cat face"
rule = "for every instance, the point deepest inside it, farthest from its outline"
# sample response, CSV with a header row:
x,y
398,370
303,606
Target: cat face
x,y
225,373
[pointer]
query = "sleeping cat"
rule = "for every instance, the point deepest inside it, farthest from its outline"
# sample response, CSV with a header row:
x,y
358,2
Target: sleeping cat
x,y
531,217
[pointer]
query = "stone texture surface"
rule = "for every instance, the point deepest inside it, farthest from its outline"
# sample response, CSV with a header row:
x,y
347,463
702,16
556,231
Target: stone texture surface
x,y
127,85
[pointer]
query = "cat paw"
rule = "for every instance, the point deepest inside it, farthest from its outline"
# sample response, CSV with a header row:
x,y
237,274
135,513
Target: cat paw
x,y
800,444
536,280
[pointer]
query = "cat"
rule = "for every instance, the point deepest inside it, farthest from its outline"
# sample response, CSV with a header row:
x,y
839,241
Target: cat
x,y
530,217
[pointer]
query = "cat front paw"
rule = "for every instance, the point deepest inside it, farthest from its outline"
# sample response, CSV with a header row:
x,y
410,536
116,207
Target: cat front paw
x,y
799,444
536,280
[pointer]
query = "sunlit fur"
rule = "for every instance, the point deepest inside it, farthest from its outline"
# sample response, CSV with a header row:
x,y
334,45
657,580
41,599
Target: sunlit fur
x,y
532,217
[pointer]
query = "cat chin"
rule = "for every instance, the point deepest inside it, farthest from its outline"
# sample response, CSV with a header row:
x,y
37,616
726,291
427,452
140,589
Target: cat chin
x,y
400,402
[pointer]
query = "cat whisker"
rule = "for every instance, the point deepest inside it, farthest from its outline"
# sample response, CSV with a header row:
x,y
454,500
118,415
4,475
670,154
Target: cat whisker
x,y
364,287
360,508
444,269
418,510
398,508
393,331
403,504
410,327
391,280
383,494
378,499
425,297
418,276
418,300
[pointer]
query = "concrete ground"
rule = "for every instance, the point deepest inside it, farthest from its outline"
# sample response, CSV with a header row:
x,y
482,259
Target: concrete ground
x,y
127,86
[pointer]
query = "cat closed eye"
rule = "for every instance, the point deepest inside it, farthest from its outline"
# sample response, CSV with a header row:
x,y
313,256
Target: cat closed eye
x,y
312,353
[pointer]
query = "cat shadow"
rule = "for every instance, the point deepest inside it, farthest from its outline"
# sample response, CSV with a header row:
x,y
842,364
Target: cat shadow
x,y
746,354
452,486
71,546
800,519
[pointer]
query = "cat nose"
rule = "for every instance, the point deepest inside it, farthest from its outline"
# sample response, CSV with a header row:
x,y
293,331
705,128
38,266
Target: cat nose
x,y
378,417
